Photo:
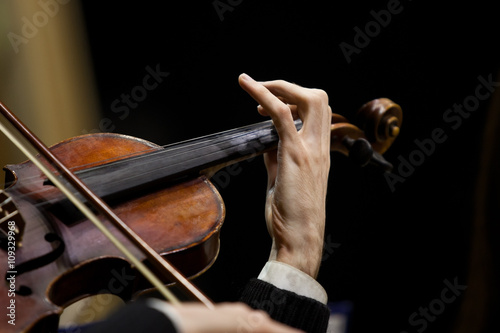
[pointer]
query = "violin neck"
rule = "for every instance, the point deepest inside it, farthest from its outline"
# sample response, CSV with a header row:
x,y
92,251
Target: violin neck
x,y
204,155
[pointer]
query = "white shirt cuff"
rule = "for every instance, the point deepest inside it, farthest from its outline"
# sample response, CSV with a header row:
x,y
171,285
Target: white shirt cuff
x,y
289,278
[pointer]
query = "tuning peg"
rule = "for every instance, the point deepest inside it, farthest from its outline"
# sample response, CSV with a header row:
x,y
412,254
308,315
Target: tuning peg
x,y
360,150
362,154
380,162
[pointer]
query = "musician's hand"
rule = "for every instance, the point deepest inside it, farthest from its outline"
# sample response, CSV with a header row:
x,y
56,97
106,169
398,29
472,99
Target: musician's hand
x,y
297,171
227,318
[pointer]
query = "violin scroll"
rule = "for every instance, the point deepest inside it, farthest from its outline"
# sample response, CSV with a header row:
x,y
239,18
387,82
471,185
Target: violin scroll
x,y
381,120
379,125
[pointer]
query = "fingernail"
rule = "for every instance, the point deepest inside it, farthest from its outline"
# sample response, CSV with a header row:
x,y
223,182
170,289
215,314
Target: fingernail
x,y
246,77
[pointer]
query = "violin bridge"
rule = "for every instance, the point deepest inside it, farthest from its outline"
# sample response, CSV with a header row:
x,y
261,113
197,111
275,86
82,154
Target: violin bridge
x,y
11,222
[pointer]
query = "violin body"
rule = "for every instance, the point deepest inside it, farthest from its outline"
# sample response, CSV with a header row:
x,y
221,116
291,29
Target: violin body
x,y
181,222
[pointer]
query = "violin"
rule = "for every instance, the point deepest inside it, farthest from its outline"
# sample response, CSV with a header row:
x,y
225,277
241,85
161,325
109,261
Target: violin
x,y
157,202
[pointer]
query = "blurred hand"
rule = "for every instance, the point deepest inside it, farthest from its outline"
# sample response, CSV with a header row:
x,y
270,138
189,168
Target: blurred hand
x,y
227,318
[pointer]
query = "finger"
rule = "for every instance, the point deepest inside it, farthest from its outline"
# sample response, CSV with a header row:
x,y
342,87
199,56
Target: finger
x,y
312,103
259,321
293,110
263,112
279,112
290,92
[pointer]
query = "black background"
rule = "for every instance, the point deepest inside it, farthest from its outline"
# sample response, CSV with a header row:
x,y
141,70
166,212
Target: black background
x,y
392,249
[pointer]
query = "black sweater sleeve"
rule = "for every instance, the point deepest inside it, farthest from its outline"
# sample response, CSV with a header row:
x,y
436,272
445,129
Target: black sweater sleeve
x,y
287,307
282,305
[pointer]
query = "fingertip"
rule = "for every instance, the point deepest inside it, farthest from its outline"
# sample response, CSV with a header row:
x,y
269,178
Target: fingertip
x,y
262,111
244,77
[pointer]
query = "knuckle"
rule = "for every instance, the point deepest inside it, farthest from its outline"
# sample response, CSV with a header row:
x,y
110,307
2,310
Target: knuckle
x,y
321,95
282,109
316,97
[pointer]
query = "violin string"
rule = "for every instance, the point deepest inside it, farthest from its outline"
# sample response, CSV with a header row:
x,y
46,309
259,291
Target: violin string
x,y
177,161
174,150
194,145
198,145
191,145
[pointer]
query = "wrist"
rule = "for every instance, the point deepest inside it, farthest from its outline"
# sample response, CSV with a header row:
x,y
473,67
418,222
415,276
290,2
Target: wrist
x,y
306,258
